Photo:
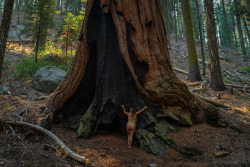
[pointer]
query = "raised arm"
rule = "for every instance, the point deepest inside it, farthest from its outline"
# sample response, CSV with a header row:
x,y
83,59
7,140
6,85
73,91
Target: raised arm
x,y
124,110
138,112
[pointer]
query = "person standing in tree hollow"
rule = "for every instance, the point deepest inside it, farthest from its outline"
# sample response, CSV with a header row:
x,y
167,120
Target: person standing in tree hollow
x,y
131,125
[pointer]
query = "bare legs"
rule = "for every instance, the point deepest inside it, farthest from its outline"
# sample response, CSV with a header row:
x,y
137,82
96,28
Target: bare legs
x,y
131,131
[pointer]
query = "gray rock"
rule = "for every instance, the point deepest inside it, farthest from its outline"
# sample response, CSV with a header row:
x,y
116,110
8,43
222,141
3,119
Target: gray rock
x,y
47,78
48,57
4,90
153,165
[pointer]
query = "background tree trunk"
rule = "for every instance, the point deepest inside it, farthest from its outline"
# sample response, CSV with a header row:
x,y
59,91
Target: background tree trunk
x,y
246,28
201,39
225,23
194,71
216,78
238,22
123,58
4,29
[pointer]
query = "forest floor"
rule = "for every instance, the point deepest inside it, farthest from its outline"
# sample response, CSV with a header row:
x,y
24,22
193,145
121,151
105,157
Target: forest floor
x,y
22,146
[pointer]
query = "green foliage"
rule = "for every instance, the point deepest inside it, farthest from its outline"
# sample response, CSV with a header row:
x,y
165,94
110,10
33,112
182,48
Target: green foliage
x,y
227,58
50,49
71,26
25,68
68,33
245,70
38,20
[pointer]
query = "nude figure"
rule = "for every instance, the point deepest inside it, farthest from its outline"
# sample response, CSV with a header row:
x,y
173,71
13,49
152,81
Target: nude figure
x,y
131,125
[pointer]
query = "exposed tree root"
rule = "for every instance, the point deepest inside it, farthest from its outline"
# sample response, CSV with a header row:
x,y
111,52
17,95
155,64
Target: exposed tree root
x,y
64,148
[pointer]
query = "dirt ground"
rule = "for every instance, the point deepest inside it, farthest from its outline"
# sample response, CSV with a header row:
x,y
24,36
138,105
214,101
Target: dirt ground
x,y
24,147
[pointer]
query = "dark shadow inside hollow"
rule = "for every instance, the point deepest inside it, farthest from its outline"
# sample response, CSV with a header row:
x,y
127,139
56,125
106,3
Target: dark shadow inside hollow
x,y
107,82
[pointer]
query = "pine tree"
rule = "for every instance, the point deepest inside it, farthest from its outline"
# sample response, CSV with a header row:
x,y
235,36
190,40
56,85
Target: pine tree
x,y
71,26
214,61
246,28
4,29
238,22
38,21
194,71
225,24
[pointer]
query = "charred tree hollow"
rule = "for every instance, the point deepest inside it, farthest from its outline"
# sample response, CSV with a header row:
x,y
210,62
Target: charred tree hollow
x,y
111,69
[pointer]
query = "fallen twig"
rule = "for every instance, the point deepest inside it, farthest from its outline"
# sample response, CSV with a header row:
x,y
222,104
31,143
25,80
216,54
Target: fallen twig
x,y
13,132
65,149
21,119
200,88
181,71
245,91
238,86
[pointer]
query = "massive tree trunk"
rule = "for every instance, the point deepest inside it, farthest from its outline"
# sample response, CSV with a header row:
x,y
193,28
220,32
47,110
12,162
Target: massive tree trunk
x,y
214,61
4,29
123,58
194,71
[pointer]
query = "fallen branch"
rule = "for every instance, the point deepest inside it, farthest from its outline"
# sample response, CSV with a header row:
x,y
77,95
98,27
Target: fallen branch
x,y
200,88
65,149
238,86
181,71
218,104
245,91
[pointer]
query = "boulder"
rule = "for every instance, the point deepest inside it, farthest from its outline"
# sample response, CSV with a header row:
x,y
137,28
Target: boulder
x,y
4,90
48,57
52,57
47,78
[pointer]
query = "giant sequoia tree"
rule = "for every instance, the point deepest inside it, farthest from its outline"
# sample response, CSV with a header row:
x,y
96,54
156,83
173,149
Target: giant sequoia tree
x,y
123,58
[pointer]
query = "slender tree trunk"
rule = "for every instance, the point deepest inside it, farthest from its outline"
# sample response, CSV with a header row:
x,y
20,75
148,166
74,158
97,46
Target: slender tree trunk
x,y
4,30
219,29
246,28
233,26
67,43
242,44
175,20
123,59
178,17
166,18
214,61
61,6
194,71
201,39
37,44
226,25
57,5
235,36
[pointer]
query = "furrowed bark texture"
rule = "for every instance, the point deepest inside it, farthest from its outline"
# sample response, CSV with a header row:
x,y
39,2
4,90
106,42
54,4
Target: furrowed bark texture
x,y
123,58
4,29
201,39
216,78
194,71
